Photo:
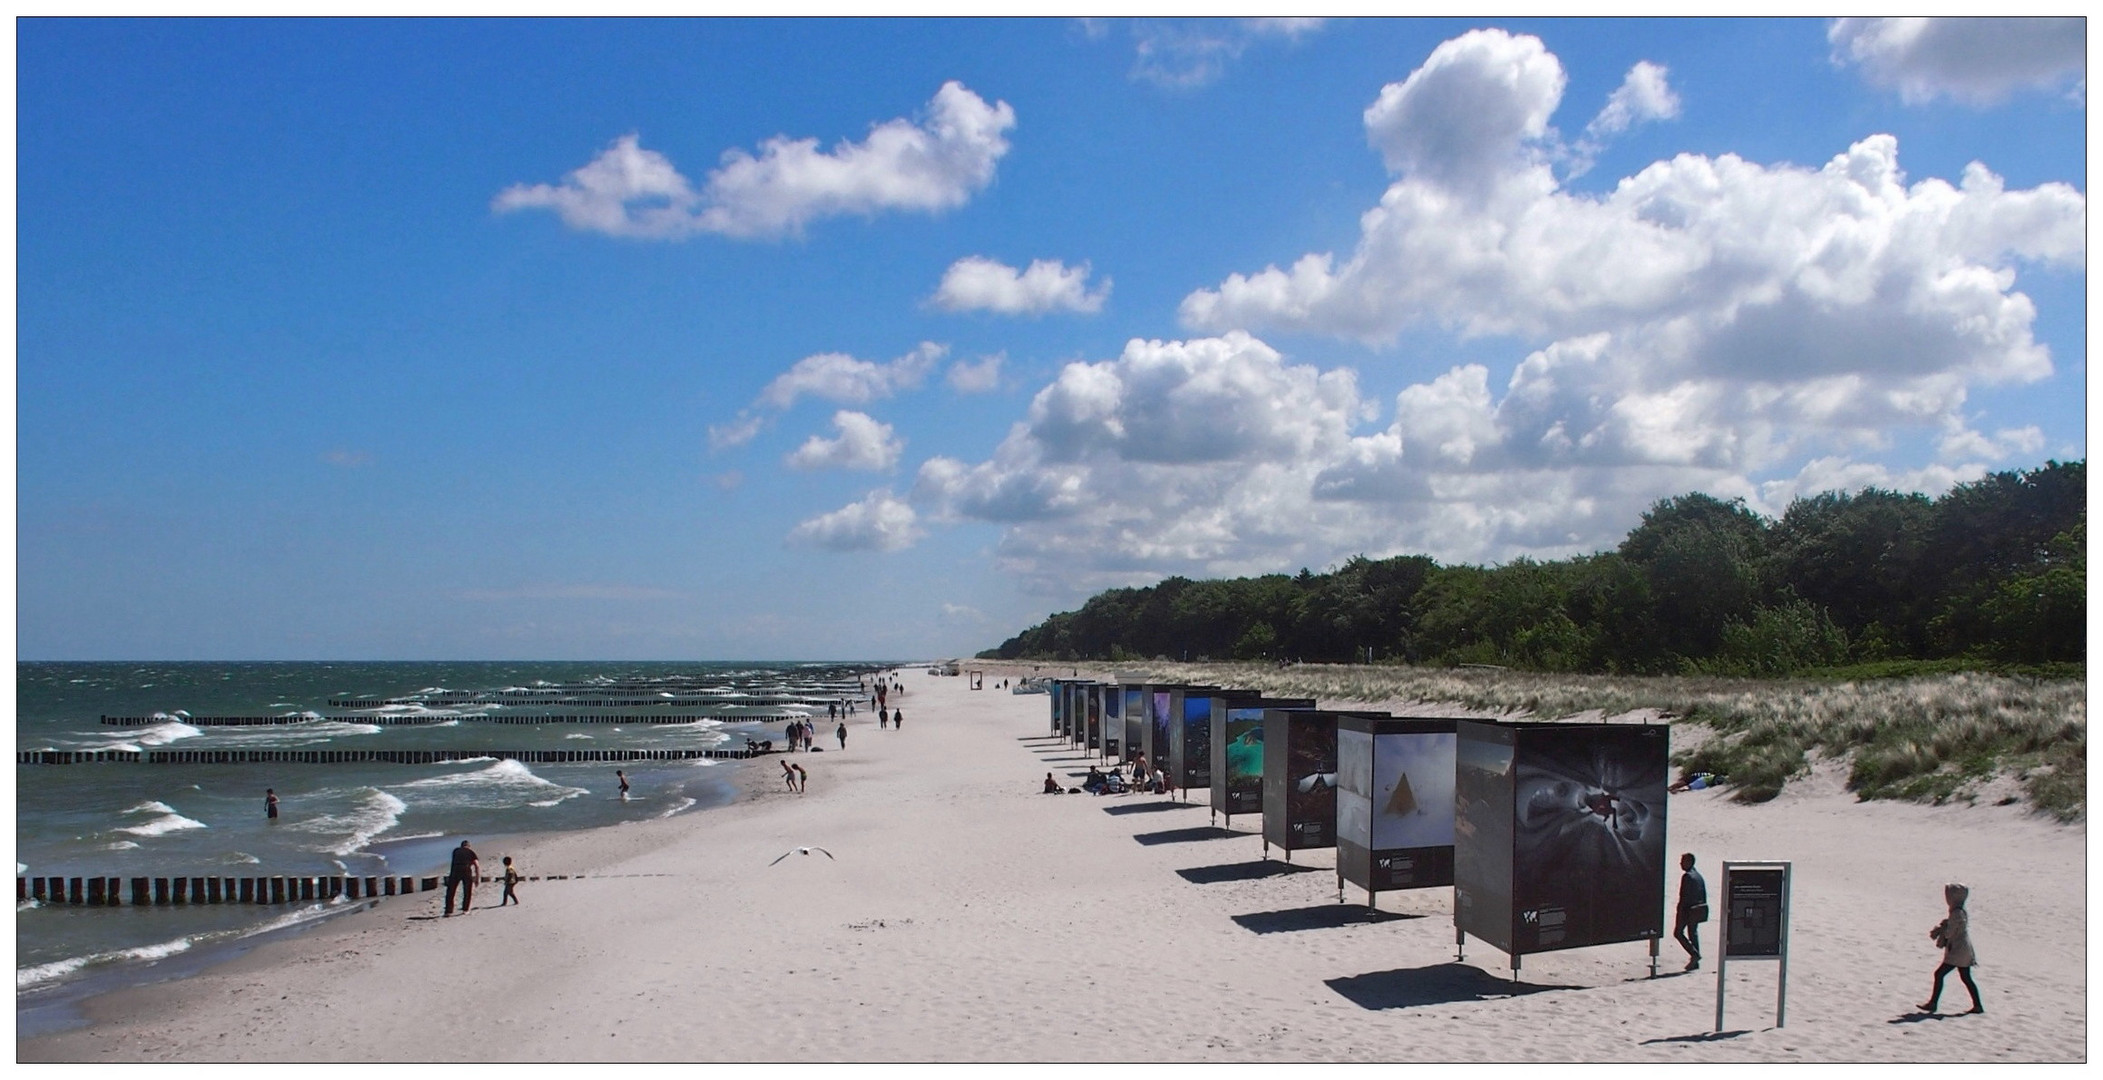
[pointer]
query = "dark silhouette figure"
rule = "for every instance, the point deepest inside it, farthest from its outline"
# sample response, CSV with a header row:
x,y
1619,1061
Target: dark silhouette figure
x,y
466,868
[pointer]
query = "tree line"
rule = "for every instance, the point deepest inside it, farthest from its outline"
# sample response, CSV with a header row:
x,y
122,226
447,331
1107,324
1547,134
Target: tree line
x,y
1994,570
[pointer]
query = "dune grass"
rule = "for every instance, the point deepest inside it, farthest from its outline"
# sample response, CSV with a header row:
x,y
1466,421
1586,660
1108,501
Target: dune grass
x,y
1927,738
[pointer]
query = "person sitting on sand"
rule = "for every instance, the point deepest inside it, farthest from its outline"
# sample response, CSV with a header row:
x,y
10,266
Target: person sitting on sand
x,y
1693,782
1095,781
1051,786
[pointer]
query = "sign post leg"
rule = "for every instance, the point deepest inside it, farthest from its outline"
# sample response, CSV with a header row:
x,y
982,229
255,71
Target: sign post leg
x,y
1653,958
1721,963
1460,944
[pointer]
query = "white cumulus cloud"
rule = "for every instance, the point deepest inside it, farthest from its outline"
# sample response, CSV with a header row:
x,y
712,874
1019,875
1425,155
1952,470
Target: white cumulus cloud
x,y
841,378
982,376
929,165
879,522
1980,61
975,283
863,443
1644,95
1706,324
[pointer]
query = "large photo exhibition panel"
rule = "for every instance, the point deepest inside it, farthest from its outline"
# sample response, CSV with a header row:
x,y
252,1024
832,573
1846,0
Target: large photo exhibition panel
x,y
1111,739
1588,834
1395,801
1484,755
1135,717
1299,778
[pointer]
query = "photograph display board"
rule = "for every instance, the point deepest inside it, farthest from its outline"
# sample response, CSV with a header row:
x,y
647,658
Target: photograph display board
x,y
1112,704
1236,745
1134,712
1190,736
1157,701
1559,839
1057,700
1299,779
1092,701
1394,801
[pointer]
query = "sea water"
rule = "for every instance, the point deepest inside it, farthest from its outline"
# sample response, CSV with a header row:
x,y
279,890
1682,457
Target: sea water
x,y
127,820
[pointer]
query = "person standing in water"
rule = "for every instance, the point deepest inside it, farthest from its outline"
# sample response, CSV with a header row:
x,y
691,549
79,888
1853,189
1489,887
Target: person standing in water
x,y
623,778
270,804
1954,934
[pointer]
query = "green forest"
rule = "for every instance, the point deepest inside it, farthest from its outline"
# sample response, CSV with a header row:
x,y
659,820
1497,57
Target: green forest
x,y
1991,573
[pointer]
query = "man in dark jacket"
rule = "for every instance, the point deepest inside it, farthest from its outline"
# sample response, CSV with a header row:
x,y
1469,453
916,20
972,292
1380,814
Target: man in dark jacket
x,y
1693,911
466,868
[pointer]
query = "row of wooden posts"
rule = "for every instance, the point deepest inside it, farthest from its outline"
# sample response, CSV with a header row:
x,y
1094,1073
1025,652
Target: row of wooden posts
x,y
412,721
597,703
332,757
162,892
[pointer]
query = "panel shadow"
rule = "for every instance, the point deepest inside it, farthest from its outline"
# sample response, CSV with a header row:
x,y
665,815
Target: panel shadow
x,y
1148,807
1440,984
1184,836
1320,917
1241,871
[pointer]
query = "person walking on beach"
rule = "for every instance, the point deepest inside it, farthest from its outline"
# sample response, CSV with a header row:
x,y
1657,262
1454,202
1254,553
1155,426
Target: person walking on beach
x,y
842,733
466,868
897,719
623,778
1954,934
1692,912
803,779
883,720
270,804
510,883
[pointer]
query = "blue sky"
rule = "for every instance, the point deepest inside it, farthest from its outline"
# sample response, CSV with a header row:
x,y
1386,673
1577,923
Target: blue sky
x,y
811,339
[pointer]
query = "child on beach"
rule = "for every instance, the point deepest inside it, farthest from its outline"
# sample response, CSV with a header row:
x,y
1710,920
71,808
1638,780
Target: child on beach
x,y
788,773
803,779
623,778
1954,934
510,883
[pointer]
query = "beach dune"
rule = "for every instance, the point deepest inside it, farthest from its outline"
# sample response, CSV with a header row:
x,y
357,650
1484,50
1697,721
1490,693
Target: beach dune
x,y
965,916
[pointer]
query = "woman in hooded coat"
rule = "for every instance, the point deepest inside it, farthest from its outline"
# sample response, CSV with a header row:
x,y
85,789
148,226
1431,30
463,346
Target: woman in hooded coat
x,y
1954,934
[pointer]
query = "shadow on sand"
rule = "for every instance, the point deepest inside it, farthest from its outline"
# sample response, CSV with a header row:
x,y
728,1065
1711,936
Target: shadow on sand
x,y
1440,984
1241,871
1319,917
1184,836
1149,807
1703,1037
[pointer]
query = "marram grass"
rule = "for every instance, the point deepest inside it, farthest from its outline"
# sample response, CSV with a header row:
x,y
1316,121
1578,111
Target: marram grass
x,y
1928,738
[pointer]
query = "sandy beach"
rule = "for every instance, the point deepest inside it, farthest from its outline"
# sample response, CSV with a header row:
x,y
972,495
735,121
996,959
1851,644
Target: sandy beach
x,y
968,917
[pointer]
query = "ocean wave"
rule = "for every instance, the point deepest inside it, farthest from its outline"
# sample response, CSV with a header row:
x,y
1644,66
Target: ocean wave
x,y
120,845
375,812
502,783
39,974
165,821
682,804
577,735
160,734
240,858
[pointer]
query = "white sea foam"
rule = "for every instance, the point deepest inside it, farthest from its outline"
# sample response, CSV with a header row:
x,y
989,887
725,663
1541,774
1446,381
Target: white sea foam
x,y
682,804
162,825
160,734
577,735
151,808
240,858
500,784
120,845
39,974
375,812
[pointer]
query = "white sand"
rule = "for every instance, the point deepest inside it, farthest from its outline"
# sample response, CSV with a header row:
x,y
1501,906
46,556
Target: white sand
x,y
970,918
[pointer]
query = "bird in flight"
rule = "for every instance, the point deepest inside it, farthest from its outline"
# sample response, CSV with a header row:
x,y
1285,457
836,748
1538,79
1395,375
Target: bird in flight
x,y
801,851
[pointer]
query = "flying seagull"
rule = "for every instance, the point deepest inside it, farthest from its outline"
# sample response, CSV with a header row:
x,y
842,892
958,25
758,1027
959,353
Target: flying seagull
x,y
802,851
